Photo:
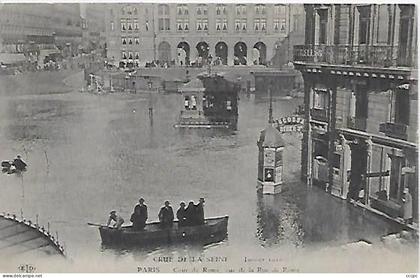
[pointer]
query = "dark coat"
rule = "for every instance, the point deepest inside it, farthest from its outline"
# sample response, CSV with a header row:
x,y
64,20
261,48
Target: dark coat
x,y
19,164
139,217
181,215
166,216
199,210
142,211
190,215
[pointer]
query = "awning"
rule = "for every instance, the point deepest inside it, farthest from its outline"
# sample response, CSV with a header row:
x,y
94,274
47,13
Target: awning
x,y
12,58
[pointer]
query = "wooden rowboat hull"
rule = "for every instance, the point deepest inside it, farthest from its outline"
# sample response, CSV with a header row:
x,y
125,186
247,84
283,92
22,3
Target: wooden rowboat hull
x,y
214,230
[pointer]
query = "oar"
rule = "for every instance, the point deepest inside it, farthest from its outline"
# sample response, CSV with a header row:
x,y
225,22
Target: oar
x,y
96,225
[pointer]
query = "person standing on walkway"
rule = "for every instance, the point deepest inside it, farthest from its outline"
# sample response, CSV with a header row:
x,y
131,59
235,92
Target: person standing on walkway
x,y
166,216
407,206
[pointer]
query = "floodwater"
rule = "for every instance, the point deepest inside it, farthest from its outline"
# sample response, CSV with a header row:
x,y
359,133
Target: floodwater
x,y
89,154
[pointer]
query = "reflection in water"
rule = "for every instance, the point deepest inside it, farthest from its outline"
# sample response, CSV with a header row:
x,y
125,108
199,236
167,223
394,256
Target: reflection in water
x,y
278,221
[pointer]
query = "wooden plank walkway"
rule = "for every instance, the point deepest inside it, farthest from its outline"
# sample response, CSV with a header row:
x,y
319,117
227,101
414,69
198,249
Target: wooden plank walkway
x,y
22,236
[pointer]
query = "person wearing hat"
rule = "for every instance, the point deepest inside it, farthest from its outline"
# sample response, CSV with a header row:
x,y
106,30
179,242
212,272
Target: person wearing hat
x,y
113,216
199,211
139,215
19,164
181,215
190,214
166,215
407,206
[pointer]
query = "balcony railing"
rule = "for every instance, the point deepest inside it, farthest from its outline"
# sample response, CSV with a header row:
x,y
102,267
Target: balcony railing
x,y
368,55
394,130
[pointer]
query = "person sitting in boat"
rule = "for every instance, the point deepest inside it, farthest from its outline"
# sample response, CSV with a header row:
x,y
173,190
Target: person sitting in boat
x,y
190,214
166,215
19,164
139,216
199,212
181,215
113,216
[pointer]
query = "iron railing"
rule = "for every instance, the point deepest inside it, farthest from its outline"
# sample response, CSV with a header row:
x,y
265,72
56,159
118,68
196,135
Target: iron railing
x,y
368,55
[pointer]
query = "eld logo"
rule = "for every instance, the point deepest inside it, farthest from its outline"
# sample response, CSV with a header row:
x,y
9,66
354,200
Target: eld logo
x,y
27,268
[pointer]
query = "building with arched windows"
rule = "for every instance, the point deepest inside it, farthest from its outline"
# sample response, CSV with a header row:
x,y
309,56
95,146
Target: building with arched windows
x,y
188,33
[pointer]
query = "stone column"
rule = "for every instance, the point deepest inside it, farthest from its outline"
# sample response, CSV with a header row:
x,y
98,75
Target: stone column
x,y
230,54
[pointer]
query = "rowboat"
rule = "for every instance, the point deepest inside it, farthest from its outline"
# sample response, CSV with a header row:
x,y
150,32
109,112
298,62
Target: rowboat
x,y
213,230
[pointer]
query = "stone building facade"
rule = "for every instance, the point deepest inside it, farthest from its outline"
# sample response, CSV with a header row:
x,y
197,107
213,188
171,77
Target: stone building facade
x,y
34,28
188,33
359,65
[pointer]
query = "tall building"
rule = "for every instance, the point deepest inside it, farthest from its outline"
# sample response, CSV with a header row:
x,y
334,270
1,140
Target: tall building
x,y
34,29
360,76
186,33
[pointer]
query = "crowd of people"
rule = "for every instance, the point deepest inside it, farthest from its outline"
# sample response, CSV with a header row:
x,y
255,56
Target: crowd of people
x,y
190,215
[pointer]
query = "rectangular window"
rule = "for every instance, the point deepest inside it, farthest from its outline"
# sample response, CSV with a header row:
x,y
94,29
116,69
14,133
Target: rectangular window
x,y
320,100
167,26
123,40
161,24
256,25
276,24
112,25
199,26
244,25
136,25
147,25
263,23
123,25
402,107
179,25
205,24
237,25
323,21
218,24
137,41
238,10
225,25
136,56
383,23
186,25
123,55
130,26
283,25
364,19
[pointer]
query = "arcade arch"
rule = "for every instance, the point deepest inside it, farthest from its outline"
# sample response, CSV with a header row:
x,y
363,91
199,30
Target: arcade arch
x,y
183,53
221,51
164,52
240,54
259,54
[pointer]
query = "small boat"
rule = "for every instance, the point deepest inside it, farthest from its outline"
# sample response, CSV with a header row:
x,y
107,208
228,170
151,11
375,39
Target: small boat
x,y
213,230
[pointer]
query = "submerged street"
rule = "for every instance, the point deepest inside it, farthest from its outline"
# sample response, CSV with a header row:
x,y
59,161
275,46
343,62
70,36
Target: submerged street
x,y
90,154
